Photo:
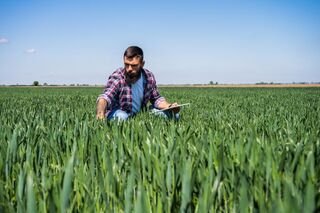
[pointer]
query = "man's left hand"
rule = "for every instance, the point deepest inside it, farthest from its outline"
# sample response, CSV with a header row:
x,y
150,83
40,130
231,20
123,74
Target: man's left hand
x,y
175,110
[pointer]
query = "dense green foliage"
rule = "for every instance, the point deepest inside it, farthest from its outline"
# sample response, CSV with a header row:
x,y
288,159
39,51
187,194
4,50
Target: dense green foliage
x,y
239,150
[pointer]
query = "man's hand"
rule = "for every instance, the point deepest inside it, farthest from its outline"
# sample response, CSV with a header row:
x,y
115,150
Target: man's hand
x,y
101,109
100,116
165,104
175,110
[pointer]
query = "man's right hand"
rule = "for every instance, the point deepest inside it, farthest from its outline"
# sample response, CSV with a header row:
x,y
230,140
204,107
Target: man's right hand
x,y
101,109
100,116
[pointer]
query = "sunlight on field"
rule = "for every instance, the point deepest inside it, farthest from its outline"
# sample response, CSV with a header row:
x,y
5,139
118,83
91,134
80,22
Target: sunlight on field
x,y
234,149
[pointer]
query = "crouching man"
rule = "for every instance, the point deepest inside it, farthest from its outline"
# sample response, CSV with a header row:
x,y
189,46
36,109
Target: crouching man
x,y
129,89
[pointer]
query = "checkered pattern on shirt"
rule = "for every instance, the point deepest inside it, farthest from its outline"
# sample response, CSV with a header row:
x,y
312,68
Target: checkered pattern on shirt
x,y
118,93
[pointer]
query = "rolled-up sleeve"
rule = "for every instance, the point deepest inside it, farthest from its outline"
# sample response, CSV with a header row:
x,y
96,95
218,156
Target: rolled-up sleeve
x,y
110,90
155,97
158,101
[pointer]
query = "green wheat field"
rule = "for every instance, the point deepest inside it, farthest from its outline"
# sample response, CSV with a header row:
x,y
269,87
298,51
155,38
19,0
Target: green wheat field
x,y
233,150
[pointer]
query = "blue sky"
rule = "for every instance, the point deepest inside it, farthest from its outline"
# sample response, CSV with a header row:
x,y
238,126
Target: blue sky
x,y
240,41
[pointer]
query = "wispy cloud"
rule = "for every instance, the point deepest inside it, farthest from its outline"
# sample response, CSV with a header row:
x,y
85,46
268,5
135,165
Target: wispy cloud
x,y
30,51
3,40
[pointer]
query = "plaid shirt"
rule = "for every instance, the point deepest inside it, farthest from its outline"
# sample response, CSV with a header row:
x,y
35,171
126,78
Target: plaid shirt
x,y
118,93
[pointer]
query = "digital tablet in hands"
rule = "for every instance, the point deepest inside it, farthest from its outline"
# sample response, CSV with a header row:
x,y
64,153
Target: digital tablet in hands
x,y
175,106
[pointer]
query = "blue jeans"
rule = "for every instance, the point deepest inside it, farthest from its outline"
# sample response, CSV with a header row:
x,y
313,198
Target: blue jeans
x,y
165,114
121,115
118,114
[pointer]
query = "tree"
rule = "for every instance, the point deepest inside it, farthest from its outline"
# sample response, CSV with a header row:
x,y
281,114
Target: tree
x,y
35,83
211,82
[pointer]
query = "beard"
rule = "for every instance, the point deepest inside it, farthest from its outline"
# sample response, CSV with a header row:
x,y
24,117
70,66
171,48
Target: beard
x,y
133,75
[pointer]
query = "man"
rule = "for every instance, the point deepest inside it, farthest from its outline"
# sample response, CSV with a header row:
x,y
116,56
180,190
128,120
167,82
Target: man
x,y
129,89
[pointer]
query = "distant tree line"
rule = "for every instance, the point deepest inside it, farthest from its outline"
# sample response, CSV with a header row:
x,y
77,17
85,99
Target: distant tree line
x,y
212,83
263,83
36,83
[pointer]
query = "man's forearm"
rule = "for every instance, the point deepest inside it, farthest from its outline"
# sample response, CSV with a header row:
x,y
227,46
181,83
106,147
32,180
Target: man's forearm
x,y
101,108
163,104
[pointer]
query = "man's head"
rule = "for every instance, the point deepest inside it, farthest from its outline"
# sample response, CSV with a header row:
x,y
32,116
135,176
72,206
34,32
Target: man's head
x,y
133,61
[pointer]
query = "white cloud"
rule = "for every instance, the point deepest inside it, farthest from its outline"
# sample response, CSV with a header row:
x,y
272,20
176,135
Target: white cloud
x,y
3,40
30,51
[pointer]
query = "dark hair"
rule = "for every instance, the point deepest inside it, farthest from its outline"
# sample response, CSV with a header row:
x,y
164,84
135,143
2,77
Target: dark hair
x,y
133,51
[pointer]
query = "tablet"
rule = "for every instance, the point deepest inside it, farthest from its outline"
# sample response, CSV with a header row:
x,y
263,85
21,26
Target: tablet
x,y
174,107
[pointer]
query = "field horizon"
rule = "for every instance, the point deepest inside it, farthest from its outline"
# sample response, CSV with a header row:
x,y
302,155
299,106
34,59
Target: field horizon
x,y
254,85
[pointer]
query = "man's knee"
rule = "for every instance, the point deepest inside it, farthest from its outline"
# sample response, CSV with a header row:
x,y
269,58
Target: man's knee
x,y
120,115
165,114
